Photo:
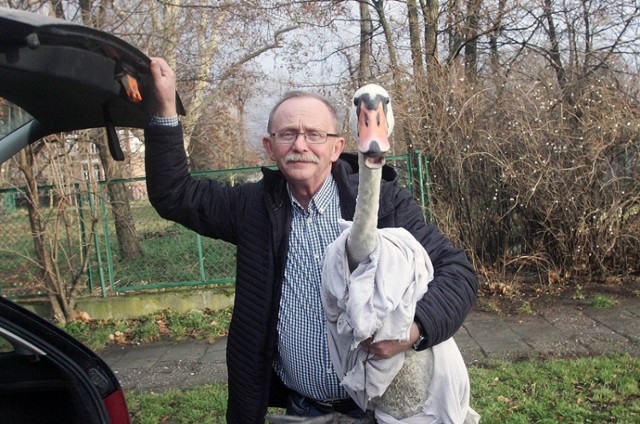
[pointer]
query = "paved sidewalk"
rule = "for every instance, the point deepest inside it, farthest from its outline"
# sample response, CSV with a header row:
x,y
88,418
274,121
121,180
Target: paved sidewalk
x,y
561,331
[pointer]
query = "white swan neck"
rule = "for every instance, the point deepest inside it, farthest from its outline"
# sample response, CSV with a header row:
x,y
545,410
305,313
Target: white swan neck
x,y
363,238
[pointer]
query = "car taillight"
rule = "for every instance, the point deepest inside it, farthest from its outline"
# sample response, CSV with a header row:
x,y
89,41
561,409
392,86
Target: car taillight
x,y
117,408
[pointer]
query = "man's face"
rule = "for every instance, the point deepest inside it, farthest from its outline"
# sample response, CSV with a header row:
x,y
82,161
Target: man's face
x,y
302,163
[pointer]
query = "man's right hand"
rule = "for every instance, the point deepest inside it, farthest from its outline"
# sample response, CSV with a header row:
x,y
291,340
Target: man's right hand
x,y
164,81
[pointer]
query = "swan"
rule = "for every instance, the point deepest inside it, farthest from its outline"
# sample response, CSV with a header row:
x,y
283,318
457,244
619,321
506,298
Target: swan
x,y
374,295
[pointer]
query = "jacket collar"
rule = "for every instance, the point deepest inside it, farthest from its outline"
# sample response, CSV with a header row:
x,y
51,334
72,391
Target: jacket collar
x,y
351,161
344,171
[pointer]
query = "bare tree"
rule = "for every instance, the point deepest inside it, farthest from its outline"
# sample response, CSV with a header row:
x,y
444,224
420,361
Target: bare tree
x,y
63,239
507,148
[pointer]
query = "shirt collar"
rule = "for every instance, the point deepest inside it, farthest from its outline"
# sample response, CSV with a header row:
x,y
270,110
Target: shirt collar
x,y
322,199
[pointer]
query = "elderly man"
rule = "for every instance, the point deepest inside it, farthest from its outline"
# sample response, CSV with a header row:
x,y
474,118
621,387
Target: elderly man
x,y
277,350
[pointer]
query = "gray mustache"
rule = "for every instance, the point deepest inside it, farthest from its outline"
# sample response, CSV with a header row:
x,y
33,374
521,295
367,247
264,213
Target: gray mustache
x,y
301,157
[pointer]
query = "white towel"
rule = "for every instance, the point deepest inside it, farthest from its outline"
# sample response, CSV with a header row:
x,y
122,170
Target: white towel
x,y
378,299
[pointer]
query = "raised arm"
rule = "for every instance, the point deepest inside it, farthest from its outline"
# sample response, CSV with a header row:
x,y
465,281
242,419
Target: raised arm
x,y
164,82
203,205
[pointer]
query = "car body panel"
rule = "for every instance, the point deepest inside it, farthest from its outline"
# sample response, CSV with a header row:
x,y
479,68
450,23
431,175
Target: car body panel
x,y
71,77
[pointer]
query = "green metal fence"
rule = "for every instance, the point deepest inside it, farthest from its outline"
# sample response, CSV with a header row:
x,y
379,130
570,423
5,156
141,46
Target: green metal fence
x,y
164,254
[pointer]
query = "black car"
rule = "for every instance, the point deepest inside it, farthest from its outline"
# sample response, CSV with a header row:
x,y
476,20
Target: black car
x,y
47,376
66,77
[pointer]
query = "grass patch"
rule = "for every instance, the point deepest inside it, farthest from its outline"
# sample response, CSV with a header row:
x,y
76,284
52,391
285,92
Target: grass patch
x,y
491,306
98,334
602,302
202,405
170,254
526,308
175,254
598,390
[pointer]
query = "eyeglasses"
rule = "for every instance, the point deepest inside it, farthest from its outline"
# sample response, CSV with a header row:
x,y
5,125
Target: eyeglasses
x,y
311,136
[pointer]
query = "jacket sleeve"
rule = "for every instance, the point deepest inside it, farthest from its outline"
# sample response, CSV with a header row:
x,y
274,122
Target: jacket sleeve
x,y
453,290
202,205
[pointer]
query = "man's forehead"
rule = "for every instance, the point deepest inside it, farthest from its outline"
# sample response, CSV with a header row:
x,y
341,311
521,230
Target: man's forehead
x,y
296,114
307,108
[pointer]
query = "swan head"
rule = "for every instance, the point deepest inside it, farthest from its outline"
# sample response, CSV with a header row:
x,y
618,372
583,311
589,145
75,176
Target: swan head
x,y
373,122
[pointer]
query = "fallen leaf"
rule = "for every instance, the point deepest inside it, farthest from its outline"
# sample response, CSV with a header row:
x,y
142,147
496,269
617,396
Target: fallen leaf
x,y
504,399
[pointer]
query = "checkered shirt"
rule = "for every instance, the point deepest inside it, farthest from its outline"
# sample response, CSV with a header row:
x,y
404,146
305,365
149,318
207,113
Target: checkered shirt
x,y
303,362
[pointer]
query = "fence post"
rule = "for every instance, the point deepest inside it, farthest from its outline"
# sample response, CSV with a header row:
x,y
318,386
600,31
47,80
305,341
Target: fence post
x,y
107,238
203,275
425,184
418,156
410,183
83,234
96,241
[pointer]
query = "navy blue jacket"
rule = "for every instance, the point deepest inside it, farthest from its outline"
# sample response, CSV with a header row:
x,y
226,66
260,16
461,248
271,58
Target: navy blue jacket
x,y
256,218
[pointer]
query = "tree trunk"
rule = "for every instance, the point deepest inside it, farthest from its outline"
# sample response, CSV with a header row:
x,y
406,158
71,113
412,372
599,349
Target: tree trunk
x,y
397,75
430,17
471,38
388,35
554,51
56,5
126,233
366,34
455,32
414,40
493,39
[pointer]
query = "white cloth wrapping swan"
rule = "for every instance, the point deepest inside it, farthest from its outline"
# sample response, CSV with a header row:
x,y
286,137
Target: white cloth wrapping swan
x,y
378,300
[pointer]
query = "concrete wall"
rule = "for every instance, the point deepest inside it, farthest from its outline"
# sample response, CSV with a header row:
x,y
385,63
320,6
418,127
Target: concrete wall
x,y
132,305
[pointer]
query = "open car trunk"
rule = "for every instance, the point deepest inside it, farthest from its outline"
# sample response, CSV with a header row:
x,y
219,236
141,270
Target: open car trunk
x,y
70,77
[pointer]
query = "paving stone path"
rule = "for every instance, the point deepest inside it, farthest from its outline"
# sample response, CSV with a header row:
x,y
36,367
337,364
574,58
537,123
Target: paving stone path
x,y
560,331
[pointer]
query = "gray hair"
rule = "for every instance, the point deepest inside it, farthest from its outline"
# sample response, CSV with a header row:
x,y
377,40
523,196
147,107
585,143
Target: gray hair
x,y
298,94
